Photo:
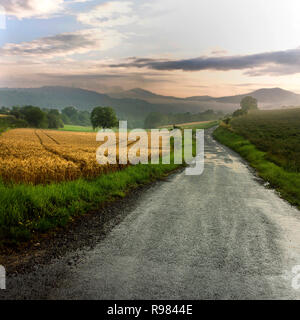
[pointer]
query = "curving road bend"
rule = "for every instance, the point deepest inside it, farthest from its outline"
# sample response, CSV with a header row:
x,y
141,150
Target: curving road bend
x,y
221,235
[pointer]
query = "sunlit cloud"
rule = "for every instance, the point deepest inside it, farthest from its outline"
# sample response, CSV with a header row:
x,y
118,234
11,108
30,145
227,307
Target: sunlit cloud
x,y
32,8
64,44
109,14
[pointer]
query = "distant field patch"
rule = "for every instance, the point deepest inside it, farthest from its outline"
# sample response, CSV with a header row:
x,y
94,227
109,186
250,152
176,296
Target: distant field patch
x,y
193,125
76,128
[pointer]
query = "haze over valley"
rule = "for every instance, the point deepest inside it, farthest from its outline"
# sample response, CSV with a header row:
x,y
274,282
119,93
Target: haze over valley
x,y
134,105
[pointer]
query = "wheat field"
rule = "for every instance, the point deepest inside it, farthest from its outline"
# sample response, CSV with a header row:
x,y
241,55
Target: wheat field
x,y
35,156
44,156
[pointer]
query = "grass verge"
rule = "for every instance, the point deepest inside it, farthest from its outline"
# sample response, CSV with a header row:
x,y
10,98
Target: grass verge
x,y
26,210
285,182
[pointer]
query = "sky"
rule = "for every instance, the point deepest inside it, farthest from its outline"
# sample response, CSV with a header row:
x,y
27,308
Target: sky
x,y
171,47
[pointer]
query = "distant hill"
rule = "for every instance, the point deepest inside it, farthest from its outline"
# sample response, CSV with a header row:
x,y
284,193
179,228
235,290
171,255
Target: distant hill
x,y
275,96
134,105
133,110
175,104
138,93
200,98
270,98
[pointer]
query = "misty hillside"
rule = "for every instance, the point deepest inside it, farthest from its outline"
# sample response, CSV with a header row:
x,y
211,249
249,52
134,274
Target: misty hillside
x,y
133,108
138,93
192,104
134,105
274,96
200,98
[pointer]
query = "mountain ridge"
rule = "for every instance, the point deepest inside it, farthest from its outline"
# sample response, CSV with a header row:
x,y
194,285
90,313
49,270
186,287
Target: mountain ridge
x,y
137,103
268,95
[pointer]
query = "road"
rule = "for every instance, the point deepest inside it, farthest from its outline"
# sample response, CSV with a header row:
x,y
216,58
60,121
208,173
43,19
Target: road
x,y
221,235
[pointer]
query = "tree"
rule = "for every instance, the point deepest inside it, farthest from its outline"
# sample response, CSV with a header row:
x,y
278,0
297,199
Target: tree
x,y
70,115
239,112
4,110
84,118
34,116
69,111
54,119
248,103
104,117
16,112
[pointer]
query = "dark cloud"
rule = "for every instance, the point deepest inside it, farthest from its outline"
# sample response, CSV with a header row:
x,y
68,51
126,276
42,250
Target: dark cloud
x,y
280,62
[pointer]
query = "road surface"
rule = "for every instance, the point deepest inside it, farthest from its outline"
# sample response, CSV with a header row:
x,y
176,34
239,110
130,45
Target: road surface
x,y
221,235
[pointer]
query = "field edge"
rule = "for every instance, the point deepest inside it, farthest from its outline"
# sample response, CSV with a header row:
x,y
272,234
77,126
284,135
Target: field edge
x,y
41,209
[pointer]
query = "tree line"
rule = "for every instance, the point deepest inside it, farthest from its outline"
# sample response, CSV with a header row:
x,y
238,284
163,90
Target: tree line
x,y
30,116
35,117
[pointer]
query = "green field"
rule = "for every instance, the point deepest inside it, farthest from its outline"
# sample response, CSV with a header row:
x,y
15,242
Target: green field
x,y
269,141
68,127
275,132
204,125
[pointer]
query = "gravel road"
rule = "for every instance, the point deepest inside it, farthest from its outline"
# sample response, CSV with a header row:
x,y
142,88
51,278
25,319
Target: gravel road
x,y
221,235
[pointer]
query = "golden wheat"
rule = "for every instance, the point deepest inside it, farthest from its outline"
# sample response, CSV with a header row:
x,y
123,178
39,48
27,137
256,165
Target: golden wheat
x,y
44,156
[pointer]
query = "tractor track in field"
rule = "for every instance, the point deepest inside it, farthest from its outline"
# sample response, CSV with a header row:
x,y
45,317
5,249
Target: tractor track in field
x,y
80,163
54,140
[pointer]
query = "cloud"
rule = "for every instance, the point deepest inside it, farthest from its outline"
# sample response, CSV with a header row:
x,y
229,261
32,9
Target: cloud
x,y
78,1
64,44
218,52
32,8
276,63
109,14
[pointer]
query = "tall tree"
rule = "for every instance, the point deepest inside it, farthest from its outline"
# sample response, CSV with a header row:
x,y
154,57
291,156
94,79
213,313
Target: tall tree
x,y
34,116
103,117
54,119
249,103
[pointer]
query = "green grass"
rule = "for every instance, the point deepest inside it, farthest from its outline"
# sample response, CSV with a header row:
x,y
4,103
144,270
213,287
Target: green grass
x,y
275,132
76,128
90,129
201,125
287,183
26,209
